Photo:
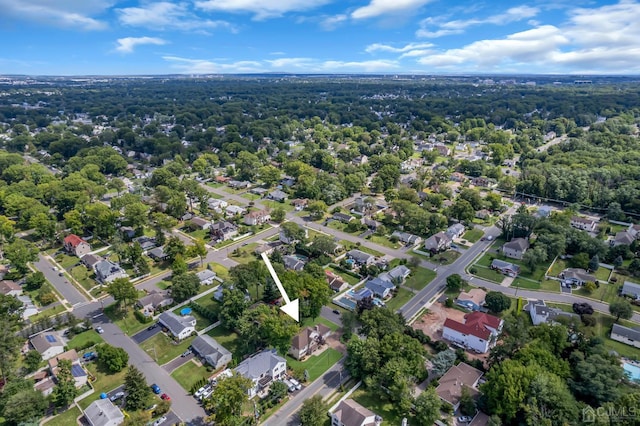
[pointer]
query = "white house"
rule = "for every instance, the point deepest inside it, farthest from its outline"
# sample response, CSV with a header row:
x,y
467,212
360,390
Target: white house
x,y
206,277
350,413
583,223
76,245
211,351
262,368
437,242
478,332
628,336
10,288
515,248
180,327
102,412
455,231
541,313
257,217
107,271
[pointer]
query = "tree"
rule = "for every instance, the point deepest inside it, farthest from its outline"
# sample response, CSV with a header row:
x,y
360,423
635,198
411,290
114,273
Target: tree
x,y
596,379
7,229
20,252
136,418
497,302
278,214
44,226
533,257
269,174
594,263
174,247
179,266
34,281
65,390
621,309
467,403
11,318
122,291
137,390
349,321
454,283
113,359
228,398
317,209
32,360
25,406
293,232
184,286
46,296
233,306
427,407
313,412
590,287
277,390
136,214
442,362
198,249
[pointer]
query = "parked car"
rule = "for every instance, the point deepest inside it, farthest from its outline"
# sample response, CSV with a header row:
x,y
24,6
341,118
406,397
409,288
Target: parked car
x,y
160,421
464,419
155,388
165,397
89,356
289,385
152,326
490,238
296,383
186,353
116,396
99,330
335,311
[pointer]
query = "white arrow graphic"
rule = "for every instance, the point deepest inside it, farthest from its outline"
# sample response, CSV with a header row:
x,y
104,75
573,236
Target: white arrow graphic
x,y
290,308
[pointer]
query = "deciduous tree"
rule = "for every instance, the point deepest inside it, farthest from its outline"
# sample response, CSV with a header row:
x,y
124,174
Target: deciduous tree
x,y
313,411
621,309
112,358
65,390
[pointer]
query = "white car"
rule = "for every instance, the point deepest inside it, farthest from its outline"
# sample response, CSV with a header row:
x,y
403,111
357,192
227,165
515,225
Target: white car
x,y
295,383
160,421
99,330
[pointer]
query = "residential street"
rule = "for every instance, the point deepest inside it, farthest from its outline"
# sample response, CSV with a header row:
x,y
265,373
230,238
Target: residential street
x,y
64,287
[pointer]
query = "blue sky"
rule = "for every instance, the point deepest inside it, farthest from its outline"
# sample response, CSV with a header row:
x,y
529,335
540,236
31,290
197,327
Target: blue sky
x,y
107,37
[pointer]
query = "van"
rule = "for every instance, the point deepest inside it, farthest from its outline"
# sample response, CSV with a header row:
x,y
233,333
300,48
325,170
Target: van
x,y
290,385
295,383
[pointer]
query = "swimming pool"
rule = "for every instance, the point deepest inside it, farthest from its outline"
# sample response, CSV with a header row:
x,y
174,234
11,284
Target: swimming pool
x,y
633,371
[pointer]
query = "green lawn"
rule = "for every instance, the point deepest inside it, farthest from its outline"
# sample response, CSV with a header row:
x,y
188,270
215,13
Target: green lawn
x,y
189,374
419,278
488,274
47,313
383,408
208,302
606,292
446,257
200,233
398,301
558,266
244,254
525,272
316,365
348,245
308,322
83,339
271,205
383,241
84,277
164,347
229,340
104,383
65,419
345,276
66,261
220,271
603,274
472,235
201,322
370,251
126,321
249,196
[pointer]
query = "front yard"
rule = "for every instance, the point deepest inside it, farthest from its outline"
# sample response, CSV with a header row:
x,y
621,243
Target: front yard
x,y
125,320
546,285
104,383
84,340
316,365
189,374
446,257
383,408
487,273
164,347
348,278
384,241
402,296
244,254
473,235
419,278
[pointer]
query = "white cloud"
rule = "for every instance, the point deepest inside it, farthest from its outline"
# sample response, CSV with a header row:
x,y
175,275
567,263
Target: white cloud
x,y
360,66
287,64
333,22
406,48
204,66
385,7
165,15
128,44
262,9
514,14
74,14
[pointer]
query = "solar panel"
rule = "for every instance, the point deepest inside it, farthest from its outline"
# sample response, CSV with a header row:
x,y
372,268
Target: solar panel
x,y
50,338
77,371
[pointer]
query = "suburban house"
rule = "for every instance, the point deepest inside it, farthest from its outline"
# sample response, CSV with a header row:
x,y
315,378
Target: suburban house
x,y
90,260
154,300
442,149
80,376
234,210
262,368
10,288
360,160
76,245
622,238
350,413
299,204
308,340
380,288
455,231
206,277
236,184
288,240
583,223
342,217
207,348
576,276
293,263
360,257
515,248
180,327
278,195
102,412
199,223
268,248
223,230
627,335
472,299
407,238
634,230
146,243
216,204
259,191
257,217
437,242
107,271
505,268
458,376
541,313
336,282
49,344
477,333
631,290
158,254
396,275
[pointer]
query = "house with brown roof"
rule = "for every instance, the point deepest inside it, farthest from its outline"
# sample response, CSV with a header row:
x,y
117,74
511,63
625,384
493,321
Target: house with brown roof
x,y
299,204
350,413
257,217
478,333
336,282
472,299
454,380
308,340
76,245
49,344
154,300
10,288
80,376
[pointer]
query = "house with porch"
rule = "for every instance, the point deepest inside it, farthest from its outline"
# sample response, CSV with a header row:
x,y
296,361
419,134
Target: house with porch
x,y
180,327
478,332
309,340
262,368
76,245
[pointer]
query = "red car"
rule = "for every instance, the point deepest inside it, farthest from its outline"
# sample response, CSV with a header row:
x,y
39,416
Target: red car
x,y
165,397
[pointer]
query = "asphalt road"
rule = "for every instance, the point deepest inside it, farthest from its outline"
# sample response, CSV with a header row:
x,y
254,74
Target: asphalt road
x,y
64,287
327,313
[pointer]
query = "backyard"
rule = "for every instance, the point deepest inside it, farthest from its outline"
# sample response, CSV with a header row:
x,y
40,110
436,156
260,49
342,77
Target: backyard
x,y
104,383
309,322
398,301
201,322
163,349
125,320
229,340
419,278
65,419
383,241
348,278
189,374
537,274
383,408
316,365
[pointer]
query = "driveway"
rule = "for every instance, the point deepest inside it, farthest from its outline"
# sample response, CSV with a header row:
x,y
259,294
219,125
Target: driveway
x,y
145,334
177,362
328,314
64,287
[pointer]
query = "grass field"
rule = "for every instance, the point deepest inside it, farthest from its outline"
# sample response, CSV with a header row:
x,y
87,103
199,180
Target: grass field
x,y
383,408
347,277
472,235
488,274
189,374
125,320
84,277
164,348
220,270
229,340
419,278
446,257
383,241
316,365
82,339
209,302
65,419
201,322
546,285
397,301
308,322
244,254
104,383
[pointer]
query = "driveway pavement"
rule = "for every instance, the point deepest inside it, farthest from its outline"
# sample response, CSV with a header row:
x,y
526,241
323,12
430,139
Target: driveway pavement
x,y
64,287
145,334
177,362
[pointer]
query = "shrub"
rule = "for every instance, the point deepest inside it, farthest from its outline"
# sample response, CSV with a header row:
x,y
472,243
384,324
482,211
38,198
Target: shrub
x,y
142,317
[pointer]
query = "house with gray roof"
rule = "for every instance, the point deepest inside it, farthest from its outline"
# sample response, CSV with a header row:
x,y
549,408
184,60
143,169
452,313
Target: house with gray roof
x,y
627,335
577,276
455,231
350,413
262,368
48,344
223,230
360,257
154,300
437,242
622,238
180,327
278,195
206,277
630,289
293,263
107,271
407,238
211,351
380,288
515,248
397,274
541,313
102,412
506,268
